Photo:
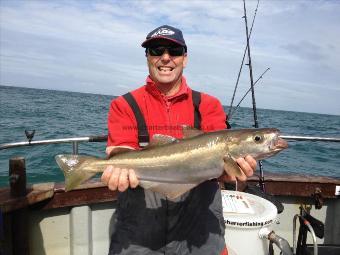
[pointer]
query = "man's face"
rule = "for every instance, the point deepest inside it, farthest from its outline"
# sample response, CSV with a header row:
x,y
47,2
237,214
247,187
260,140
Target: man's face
x,y
166,69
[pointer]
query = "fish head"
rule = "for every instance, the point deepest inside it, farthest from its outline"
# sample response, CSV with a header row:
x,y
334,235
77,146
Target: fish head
x,y
259,143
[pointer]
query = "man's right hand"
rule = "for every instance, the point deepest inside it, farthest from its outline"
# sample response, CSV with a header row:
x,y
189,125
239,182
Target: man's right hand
x,y
117,178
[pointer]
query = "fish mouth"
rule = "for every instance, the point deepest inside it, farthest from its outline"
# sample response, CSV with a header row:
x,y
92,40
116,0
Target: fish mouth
x,y
275,147
281,144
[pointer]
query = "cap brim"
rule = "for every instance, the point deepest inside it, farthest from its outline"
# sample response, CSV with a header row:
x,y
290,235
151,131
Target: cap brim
x,y
152,40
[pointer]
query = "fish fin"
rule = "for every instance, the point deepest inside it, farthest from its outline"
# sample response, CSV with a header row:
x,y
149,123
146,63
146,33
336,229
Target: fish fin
x,y
147,184
119,150
72,165
170,190
158,140
231,167
189,131
174,190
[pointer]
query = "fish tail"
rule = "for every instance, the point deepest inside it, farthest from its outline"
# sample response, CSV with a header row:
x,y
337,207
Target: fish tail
x,y
72,167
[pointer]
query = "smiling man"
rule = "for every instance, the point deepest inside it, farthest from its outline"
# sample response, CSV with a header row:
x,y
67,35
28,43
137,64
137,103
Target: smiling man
x,y
166,69
146,222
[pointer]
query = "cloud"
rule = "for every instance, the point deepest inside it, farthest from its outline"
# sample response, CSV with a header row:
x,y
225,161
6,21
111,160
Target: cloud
x,y
94,46
305,50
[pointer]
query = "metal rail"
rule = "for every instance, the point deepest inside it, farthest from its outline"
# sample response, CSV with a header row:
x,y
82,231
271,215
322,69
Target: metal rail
x,y
74,140
311,230
103,138
310,138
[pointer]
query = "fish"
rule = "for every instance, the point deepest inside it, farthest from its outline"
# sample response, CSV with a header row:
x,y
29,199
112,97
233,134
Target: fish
x,y
173,166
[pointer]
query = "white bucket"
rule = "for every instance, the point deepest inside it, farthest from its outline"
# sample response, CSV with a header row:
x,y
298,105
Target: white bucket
x,y
244,215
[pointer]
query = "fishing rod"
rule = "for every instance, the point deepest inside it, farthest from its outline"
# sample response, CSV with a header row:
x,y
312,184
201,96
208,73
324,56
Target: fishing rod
x,y
236,107
256,124
241,66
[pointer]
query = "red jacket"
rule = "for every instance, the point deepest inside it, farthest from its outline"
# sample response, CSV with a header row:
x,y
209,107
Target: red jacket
x,y
163,115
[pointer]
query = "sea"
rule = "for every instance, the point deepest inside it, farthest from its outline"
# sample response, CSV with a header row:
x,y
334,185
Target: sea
x,y
60,114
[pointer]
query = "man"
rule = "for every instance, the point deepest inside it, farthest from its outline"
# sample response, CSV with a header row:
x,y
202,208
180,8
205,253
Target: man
x,y
146,222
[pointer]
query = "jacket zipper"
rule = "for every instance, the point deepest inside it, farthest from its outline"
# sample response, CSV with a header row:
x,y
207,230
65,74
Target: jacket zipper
x,y
168,115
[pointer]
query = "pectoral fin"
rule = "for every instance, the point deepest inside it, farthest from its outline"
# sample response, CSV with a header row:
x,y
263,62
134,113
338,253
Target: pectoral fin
x,y
231,167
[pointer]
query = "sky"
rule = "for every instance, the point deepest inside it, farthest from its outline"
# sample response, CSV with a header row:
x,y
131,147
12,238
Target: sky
x,y
94,47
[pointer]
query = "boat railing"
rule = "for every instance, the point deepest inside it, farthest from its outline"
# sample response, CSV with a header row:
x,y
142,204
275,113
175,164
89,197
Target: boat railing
x,y
103,138
73,140
310,138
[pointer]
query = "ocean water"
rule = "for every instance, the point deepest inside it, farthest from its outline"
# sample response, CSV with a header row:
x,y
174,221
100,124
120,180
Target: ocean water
x,y
58,114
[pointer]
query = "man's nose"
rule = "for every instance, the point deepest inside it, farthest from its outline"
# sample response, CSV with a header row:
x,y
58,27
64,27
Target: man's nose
x,y
165,56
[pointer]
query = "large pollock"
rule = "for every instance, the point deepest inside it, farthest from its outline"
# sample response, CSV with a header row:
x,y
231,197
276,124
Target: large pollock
x,y
172,167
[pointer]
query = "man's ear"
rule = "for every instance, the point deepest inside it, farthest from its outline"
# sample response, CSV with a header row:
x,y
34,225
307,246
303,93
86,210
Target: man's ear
x,y
185,60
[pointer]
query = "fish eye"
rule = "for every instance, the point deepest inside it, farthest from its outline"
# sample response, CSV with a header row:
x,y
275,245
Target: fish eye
x,y
257,138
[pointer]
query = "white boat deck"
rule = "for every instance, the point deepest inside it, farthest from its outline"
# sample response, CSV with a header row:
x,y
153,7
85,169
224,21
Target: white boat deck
x,y
86,230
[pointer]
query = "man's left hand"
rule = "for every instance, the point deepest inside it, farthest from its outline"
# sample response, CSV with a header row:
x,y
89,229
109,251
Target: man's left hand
x,y
247,166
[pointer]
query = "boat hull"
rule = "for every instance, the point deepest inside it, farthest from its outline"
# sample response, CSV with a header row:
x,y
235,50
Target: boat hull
x,y
80,221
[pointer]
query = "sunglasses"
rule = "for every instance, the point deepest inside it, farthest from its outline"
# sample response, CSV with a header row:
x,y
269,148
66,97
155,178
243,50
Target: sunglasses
x,y
173,51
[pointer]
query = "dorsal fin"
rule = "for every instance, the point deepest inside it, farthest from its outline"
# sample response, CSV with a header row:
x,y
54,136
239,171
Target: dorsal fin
x,y
158,140
189,131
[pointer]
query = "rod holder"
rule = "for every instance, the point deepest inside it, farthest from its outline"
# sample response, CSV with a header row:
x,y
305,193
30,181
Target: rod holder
x,y
18,219
75,147
17,176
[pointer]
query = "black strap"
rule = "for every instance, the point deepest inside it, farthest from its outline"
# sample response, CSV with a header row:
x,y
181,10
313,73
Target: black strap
x,y
143,134
196,99
227,123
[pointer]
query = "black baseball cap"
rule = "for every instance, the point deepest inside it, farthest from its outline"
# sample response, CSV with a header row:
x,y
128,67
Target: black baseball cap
x,y
165,32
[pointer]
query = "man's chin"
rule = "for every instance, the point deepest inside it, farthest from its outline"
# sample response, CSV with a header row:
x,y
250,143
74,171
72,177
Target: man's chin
x,y
167,81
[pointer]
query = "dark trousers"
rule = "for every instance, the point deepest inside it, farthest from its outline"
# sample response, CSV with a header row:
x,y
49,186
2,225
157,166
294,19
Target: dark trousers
x,y
147,223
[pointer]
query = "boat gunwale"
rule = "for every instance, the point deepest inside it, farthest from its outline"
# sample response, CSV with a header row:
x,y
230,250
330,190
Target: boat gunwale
x,y
46,196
